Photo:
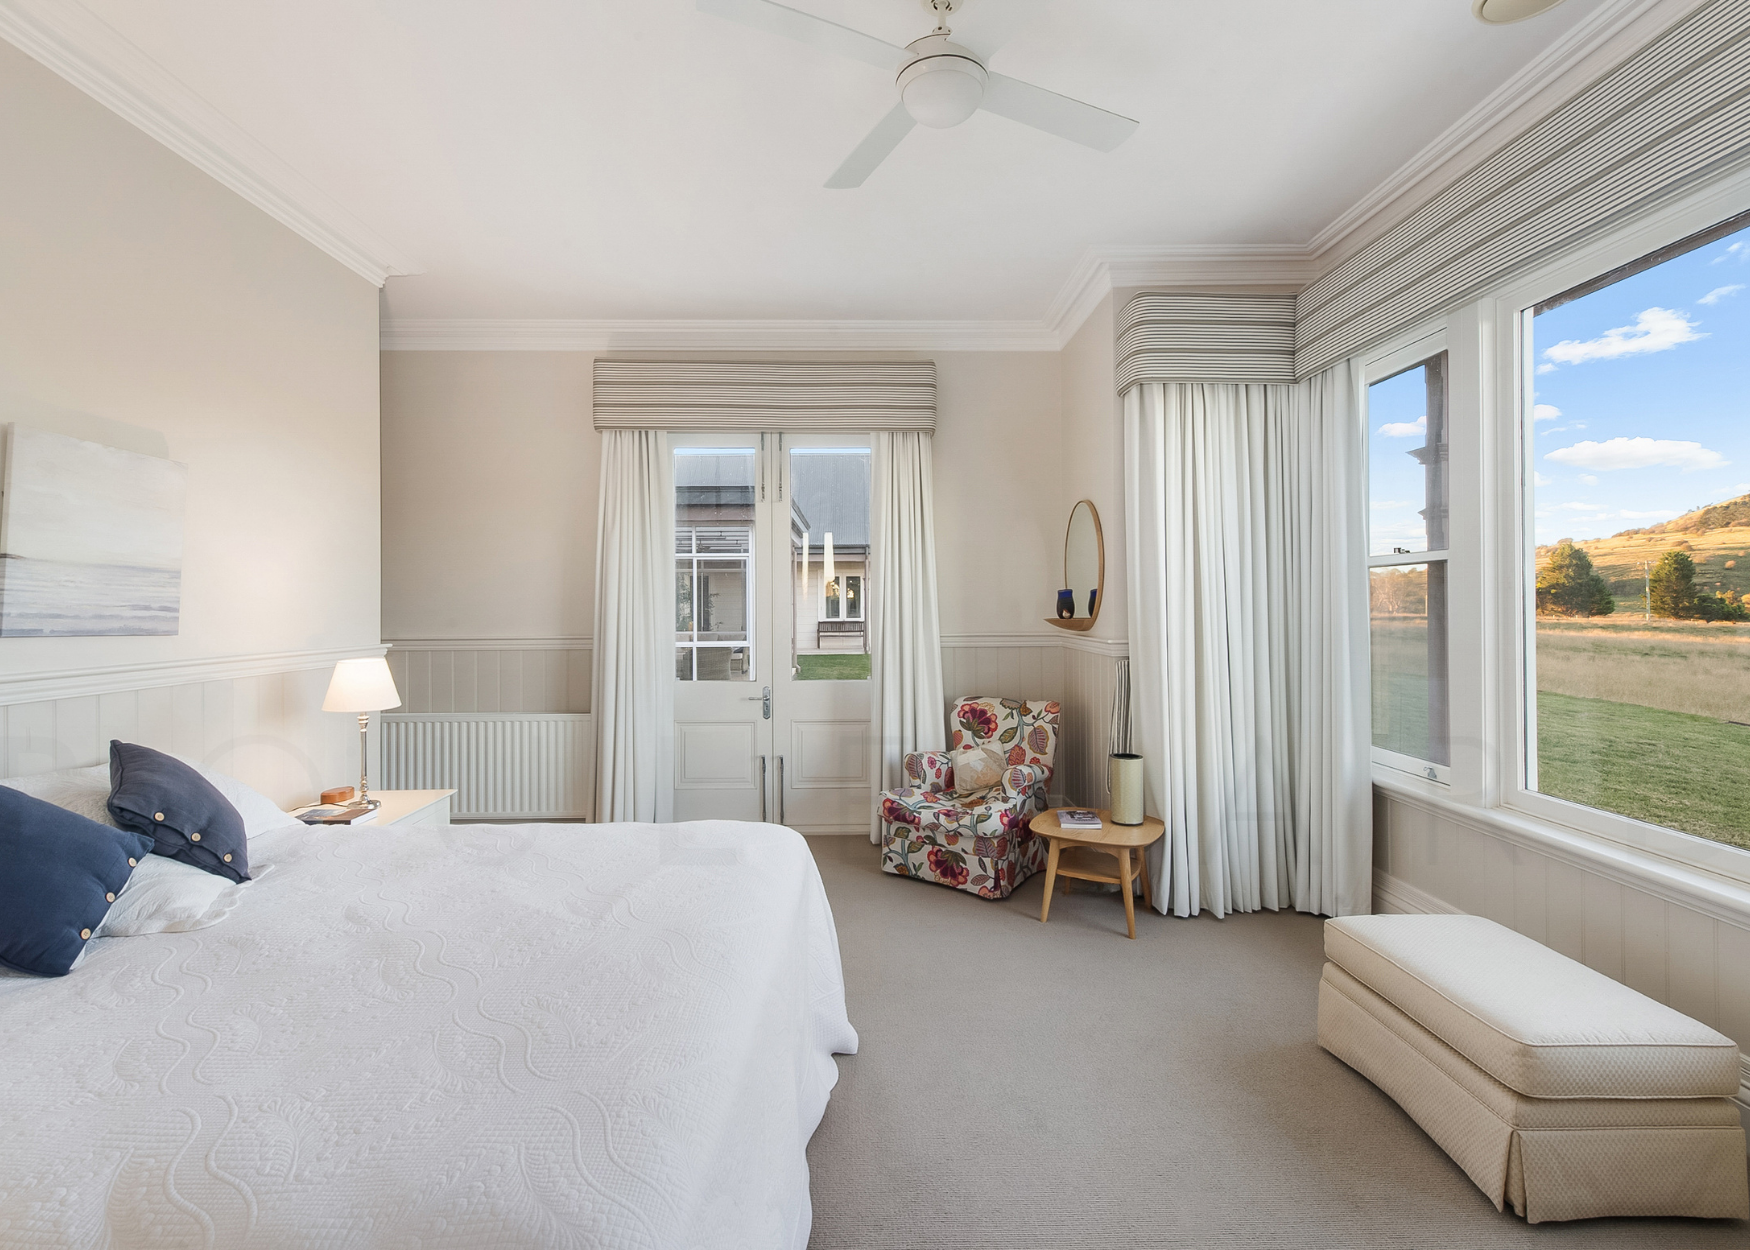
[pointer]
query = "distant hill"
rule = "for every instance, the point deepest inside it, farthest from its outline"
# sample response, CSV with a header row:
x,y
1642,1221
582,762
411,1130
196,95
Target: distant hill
x,y
1713,516
1717,537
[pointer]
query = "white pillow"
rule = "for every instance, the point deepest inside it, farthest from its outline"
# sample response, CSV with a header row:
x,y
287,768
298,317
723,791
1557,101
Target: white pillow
x,y
82,790
259,812
164,896
86,791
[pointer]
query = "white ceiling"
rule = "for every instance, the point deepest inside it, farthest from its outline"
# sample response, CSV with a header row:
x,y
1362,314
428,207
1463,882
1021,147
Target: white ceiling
x,y
640,159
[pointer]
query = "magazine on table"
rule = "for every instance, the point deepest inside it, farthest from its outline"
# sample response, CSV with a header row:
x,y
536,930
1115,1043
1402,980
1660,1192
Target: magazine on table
x,y
1078,818
337,814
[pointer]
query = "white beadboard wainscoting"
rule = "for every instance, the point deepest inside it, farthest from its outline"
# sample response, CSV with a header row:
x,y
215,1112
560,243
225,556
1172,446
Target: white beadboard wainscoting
x,y
1080,673
256,718
448,681
1675,935
491,674
502,765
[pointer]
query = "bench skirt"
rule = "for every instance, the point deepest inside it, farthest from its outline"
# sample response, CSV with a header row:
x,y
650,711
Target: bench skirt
x,y
1551,1158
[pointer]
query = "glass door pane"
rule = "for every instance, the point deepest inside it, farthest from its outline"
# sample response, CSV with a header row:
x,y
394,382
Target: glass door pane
x,y
829,562
713,538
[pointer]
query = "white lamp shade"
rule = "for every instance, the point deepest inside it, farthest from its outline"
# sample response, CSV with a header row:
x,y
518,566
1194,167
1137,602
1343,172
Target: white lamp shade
x,y
361,686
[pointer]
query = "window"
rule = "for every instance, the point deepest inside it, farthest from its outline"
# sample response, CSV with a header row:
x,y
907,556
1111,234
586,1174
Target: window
x,y
1638,459
1407,563
713,580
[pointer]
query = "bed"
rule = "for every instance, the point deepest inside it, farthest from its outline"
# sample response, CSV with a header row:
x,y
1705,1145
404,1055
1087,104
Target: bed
x,y
464,1036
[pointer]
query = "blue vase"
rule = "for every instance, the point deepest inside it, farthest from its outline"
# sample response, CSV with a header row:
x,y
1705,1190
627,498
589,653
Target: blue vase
x,y
1092,596
1066,604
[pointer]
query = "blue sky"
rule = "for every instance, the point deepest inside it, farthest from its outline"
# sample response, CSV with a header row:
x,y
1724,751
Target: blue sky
x,y
1642,404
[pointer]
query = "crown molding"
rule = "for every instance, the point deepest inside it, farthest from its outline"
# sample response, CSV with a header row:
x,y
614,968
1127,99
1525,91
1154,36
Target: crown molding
x,y
554,335
1430,169
74,43
1097,272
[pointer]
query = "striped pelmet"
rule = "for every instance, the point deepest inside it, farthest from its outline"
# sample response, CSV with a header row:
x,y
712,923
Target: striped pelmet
x,y
815,396
1196,337
1671,115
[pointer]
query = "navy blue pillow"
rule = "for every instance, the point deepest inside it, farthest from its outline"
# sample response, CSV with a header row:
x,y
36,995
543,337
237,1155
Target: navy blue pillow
x,y
187,819
59,872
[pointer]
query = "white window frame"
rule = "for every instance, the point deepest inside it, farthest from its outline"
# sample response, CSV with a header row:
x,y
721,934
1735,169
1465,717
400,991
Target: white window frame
x,y
1509,582
1402,354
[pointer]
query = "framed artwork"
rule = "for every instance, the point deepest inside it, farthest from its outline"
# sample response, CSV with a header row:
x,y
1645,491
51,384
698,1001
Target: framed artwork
x,y
90,538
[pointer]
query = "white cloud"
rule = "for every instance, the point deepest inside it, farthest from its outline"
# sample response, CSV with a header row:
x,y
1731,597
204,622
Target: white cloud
x,y
1545,412
1655,330
1580,507
1390,503
1588,479
1737,249
1657,514
1720,292
1637,453
1405,429
1538,479
1546,368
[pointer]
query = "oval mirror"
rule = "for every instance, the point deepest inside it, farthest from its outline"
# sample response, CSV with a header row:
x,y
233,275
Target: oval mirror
x,y
1084,567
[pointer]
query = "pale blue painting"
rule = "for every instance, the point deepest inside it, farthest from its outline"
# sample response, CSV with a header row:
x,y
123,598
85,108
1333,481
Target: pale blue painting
x,y
90,539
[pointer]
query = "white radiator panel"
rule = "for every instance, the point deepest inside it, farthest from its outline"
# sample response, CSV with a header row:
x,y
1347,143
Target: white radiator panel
x,y
502,766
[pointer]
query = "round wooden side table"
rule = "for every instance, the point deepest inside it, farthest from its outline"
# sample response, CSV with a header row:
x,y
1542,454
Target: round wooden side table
x,y
1081,853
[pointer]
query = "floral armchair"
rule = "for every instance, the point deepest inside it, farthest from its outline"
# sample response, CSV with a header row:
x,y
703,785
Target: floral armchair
x,y
983,841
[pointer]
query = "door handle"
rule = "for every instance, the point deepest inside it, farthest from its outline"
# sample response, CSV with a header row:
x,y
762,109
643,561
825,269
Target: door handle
x,y
764,699
780,789
762,789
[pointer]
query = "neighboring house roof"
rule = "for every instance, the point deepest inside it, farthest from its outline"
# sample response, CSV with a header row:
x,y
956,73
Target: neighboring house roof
x,y
831,494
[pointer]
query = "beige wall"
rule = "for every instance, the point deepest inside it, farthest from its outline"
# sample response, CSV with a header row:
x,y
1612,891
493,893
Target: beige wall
x,y
489,495
145,306
1093,453
490,478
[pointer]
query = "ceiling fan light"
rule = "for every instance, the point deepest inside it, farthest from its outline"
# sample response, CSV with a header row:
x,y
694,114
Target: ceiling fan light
x,y
942,89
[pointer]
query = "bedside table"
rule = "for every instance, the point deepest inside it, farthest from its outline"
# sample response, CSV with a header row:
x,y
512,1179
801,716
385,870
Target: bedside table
x,y
413,807
406,807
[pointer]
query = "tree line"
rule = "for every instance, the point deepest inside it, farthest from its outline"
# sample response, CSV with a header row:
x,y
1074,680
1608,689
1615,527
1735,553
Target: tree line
x,y
1568,585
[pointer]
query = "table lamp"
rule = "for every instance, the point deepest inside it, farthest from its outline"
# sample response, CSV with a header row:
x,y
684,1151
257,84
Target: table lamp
x,y
362,686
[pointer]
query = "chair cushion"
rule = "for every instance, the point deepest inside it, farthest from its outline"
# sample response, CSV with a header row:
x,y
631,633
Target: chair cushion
x,y
1532,1018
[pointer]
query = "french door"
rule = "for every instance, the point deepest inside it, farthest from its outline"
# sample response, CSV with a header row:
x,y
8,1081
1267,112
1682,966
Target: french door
x,y
772,689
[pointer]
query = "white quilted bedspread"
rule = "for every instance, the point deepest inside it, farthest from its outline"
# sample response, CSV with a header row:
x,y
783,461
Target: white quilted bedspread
x,y
609,1036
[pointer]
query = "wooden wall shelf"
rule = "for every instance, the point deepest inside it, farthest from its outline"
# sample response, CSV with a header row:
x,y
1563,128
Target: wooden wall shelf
x,y
1081,624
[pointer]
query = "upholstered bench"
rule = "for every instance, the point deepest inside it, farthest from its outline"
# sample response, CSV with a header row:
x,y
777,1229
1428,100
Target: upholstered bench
x,y
1555,1088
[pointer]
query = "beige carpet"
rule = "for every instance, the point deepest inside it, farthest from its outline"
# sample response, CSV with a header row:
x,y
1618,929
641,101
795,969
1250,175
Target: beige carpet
x,y
1028,1085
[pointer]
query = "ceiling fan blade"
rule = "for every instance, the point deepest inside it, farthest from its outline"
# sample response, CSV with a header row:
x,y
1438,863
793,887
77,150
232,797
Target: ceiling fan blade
x,y
817,32
1056,114
873,150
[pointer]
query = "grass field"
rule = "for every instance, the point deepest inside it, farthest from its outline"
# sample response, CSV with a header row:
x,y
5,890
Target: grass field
x,y
1675,769
1677,666
852,666
1400,685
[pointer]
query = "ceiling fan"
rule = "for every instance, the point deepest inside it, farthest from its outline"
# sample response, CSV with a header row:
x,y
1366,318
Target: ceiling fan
x,y
940,84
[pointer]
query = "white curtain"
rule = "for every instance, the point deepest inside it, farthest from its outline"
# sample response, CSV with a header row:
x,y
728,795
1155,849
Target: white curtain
x,y
1245,568
905,636
1328,661
633,696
